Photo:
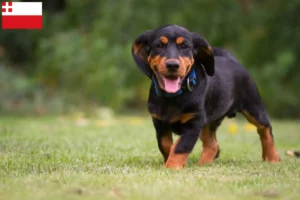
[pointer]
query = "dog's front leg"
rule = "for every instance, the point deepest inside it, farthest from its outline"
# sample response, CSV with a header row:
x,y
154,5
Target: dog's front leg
x,y
184,145
164,137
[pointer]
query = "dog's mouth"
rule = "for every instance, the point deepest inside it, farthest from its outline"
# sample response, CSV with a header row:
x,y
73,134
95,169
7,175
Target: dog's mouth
x,y
170,83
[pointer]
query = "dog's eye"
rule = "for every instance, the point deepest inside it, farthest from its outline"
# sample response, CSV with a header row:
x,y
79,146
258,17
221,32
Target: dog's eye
x,y
160,45
183,46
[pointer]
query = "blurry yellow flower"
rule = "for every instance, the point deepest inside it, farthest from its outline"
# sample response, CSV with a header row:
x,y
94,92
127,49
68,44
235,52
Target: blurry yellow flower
x,y
249,127
103,123
232,128
134,120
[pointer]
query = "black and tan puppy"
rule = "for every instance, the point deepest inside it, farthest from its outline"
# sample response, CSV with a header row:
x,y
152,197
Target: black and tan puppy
x,y
194,87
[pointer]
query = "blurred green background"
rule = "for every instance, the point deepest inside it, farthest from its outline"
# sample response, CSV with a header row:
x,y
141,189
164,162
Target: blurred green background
x,y
81,60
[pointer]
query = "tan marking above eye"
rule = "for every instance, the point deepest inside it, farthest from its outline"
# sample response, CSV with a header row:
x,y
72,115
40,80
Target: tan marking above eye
x,y
179,40
164,39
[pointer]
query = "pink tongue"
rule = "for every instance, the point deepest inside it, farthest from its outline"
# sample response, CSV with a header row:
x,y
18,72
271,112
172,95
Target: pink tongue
x,y
171,85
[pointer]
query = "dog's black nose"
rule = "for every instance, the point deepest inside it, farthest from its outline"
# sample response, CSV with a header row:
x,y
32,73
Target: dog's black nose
x,y
172,66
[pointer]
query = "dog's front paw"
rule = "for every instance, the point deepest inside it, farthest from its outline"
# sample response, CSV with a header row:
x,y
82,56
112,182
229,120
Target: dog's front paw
x,y
272,159
176,161
271,156
174,165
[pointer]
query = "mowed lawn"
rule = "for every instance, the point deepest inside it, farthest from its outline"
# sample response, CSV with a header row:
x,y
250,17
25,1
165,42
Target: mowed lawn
x,y
63,158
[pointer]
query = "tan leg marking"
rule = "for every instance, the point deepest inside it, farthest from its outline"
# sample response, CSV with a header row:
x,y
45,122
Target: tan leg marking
x,y
210,146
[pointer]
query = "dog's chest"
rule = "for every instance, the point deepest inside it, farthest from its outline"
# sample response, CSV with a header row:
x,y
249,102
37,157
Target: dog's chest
x,y
170,113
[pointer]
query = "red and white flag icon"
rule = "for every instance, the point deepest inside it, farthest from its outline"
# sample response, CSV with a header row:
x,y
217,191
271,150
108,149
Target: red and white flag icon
x,y
22,15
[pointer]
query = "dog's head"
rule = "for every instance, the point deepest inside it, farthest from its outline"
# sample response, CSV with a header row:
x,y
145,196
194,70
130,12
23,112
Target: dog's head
x,y
169,53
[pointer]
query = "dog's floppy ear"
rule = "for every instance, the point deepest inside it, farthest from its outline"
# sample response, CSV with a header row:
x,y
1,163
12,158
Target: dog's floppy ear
x,y
140,52
203,54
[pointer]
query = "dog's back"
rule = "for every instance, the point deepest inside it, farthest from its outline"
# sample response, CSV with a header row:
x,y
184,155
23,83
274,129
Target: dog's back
x,y
220,52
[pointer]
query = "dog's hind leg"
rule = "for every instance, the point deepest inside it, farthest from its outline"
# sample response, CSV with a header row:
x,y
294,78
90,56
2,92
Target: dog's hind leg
x,y
257,115
210,145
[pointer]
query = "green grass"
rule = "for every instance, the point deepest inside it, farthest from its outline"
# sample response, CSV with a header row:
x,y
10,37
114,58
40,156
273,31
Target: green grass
x,y
53,158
